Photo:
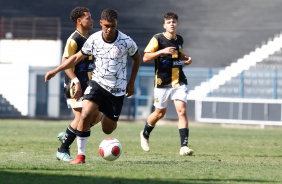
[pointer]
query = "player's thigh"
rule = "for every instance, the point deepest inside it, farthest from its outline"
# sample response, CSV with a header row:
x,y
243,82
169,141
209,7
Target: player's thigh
x,y
161,97
89,110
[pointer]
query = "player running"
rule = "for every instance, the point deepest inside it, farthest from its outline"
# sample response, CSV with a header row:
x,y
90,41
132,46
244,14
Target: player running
x,y
166,49
108,85
76,78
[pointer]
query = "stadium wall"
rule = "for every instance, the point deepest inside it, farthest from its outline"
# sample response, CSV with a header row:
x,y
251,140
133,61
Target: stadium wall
x,y
23,64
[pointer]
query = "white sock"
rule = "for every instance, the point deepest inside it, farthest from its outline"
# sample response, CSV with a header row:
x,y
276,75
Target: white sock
x,y
81,144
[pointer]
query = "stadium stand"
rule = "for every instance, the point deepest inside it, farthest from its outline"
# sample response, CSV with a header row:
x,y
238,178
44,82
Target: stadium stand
x,y
216,33
6,109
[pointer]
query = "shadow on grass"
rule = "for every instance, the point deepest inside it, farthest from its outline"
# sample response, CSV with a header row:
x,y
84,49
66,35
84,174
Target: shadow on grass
x,y
21,177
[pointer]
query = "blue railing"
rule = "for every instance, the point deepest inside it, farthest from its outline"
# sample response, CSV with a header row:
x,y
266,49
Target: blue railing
x,y
253,83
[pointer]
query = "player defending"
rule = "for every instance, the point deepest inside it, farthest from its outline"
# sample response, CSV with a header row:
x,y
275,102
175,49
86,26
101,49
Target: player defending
x,y
170,82
108,84
76,78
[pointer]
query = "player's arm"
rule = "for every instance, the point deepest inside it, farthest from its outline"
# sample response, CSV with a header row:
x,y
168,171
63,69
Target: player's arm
x,y
134,70
187,59
70,62
150,56
70,73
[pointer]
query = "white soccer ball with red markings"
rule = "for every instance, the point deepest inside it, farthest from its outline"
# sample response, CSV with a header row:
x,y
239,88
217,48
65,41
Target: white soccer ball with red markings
x,y
110,149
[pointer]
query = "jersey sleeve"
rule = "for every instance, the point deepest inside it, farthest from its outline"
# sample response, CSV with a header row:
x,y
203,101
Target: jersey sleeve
x,y
181,50
70,48
87,47
132,48
152,46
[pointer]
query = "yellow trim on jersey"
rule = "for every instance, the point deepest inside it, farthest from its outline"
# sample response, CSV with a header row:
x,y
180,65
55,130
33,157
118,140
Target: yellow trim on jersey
x,y
168,37
152,46
70,48
181,50
156,74
89,74
81,34
175,77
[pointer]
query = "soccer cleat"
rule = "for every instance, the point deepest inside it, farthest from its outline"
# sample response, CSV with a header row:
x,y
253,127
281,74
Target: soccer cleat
x,y
186,151
80,159
144,142
65,156
61,136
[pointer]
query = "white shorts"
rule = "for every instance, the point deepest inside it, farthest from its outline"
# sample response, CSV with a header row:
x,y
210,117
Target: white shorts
x,y
72,103
162,95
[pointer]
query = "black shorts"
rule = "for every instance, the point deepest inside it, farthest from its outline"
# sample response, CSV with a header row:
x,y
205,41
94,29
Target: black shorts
x,y
109,104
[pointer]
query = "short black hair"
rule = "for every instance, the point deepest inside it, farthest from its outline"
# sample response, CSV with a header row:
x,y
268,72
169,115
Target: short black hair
x,y
170,15
77,12
109,15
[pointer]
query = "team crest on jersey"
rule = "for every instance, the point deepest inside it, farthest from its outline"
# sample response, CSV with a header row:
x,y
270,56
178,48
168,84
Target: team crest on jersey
x,y
156,100
159,81
118,50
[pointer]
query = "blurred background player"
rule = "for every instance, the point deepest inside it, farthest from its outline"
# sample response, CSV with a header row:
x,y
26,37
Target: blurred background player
x,y
170,81
108,84
76,78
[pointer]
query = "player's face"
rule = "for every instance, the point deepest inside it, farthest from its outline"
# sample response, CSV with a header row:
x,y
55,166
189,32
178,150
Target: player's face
x,y
109,28
170,25
86,21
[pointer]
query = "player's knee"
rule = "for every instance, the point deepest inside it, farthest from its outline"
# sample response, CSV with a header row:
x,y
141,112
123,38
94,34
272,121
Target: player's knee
x,y
107,130
181,112
160,114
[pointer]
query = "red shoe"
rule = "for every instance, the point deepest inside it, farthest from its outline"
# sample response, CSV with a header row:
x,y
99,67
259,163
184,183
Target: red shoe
x,y
80,159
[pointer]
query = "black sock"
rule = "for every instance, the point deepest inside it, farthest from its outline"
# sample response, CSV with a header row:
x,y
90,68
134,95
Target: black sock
x,y
147,130
184,134
70,137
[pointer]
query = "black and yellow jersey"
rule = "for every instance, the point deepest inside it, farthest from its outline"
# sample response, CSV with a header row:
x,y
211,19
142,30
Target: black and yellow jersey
x,y
168,67
83,69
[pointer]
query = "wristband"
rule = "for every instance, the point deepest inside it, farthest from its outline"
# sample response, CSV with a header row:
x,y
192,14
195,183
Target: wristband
x,y
75,80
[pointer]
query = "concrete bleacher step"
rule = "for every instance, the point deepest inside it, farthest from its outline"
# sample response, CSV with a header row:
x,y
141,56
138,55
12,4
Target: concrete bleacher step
x,y
6,109
244,63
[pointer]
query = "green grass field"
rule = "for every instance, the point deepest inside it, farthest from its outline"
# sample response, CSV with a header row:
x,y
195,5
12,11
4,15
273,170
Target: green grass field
x,y
222,155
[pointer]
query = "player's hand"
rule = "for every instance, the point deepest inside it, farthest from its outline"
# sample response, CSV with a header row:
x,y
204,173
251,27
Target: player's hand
x,y
78,91
49,75
129,90
169,50
188,61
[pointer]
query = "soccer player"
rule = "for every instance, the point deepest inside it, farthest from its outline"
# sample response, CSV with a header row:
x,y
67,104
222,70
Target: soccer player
x,y
108,85
76,78
166,49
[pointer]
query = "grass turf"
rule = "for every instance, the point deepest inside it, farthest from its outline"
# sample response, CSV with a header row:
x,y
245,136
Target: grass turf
x,y
222,155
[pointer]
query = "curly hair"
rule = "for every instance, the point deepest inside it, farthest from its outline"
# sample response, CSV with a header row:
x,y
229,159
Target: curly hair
x,y
109,15
170,15
77,12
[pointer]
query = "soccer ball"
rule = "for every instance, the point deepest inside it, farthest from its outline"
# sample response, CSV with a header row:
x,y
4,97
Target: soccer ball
x,y
110,149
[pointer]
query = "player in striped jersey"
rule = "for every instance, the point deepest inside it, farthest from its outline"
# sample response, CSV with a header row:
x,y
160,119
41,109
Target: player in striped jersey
x,y
76,78
166,49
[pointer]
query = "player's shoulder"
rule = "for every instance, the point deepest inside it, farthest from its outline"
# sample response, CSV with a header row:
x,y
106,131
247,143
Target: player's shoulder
x,y
158,36
179,37
123,35
96,35
76,36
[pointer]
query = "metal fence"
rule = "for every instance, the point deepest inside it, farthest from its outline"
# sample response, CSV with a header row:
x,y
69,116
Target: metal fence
x,y
30,28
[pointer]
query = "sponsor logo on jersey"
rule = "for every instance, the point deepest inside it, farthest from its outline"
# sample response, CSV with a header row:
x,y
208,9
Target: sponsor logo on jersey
x,y
165,63
177,63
